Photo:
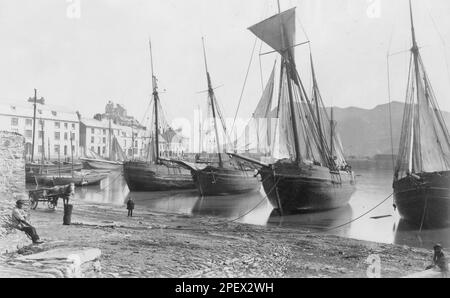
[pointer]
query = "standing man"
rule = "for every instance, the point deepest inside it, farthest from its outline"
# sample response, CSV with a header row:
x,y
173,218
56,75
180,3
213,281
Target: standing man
x,y
21,222
130,207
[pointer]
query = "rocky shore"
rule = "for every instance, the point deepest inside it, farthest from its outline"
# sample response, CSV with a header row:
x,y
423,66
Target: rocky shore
x,y
171,245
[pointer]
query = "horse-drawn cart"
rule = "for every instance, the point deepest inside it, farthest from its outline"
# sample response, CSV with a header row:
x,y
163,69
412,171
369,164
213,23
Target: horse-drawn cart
x,y
51,196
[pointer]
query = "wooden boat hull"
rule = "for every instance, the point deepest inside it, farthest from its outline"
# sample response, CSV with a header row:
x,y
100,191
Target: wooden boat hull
x,y
48,180
215,181
424,202
293,189
33,169
141,176
97,164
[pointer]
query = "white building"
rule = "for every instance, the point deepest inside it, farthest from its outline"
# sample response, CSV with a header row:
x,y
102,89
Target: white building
x,y
54,129
96,136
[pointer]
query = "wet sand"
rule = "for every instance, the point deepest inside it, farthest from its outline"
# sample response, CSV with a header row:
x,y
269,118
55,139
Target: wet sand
x,y
169,245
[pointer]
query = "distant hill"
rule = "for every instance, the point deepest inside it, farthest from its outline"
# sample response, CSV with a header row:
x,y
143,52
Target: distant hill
x,y
367,132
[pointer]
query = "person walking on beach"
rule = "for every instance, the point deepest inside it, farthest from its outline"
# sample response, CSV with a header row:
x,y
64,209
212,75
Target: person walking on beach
x,y
21,222
130,207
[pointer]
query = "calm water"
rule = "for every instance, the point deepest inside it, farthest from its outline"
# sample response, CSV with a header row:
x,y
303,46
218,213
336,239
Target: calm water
x,y
373,186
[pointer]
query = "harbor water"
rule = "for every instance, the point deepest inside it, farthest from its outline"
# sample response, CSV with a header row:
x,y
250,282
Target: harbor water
x,y
373,186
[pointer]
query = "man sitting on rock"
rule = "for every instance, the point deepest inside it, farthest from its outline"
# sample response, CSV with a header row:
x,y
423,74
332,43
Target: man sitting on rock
x,y
20,222
439,259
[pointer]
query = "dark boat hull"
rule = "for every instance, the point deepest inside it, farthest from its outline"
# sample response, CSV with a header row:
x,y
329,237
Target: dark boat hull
x,y
50,180
426,202
293,189
142,176
33,169
215,181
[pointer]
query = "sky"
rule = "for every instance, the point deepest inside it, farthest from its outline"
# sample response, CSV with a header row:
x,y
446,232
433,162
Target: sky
x,y
81,53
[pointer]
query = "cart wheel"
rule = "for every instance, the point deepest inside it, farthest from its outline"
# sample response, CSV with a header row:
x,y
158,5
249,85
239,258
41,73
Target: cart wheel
x,y
51,205
33,203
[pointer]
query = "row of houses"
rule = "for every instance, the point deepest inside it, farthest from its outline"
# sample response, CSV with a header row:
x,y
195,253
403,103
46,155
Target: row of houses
x,y
61,134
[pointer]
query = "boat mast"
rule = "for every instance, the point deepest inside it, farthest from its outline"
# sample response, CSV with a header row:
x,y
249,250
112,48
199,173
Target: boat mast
x,y
332,134
34,124
415,52
156,100
211,98
319,119
287,62
110,139
43,145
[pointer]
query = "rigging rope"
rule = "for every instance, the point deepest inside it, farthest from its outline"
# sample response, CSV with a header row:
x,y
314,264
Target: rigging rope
x,y
245,84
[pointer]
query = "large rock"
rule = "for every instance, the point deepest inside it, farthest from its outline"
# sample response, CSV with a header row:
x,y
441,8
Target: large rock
x,y
64,262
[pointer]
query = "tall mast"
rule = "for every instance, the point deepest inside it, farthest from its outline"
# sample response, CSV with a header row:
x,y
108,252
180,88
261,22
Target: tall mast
x,y
43,145
415,52
287,62
34,124
211,98
110,138
316,100
332,135
156,100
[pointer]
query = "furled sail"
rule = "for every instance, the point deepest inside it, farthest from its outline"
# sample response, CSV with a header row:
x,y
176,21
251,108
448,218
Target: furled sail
x,y
277,31
117,151
425,140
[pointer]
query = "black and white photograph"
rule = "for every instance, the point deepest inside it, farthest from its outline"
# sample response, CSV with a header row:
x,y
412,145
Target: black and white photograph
x,y
224,145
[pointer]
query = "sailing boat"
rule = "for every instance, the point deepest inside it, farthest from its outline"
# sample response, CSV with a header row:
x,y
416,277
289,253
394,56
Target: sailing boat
x,y
115,160
422,173
78,178
33,168
310,173
223,176
156,174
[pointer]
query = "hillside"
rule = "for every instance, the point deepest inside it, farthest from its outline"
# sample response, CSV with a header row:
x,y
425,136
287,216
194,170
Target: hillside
x,y
367,132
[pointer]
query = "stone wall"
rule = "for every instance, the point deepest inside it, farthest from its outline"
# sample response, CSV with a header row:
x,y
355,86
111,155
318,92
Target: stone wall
x,y
12,175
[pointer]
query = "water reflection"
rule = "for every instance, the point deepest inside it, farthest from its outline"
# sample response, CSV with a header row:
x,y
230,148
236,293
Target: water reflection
x,y
315,221
373,186
251,208
407,234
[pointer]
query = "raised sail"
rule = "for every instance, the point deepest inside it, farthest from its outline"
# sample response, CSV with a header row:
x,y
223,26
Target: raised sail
x,y
422,174
278,31
257,137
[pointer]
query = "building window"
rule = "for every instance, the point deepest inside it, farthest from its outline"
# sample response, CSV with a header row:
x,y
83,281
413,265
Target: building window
x,y
104,131
73,148
93,130
104,150
54,113
92,140
28,122
66,136
104,140
73,125
66,125
28,133
72,136
14,121
56,147
41,134
40,112
57,136
92,149
40,149
57,125
65,149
